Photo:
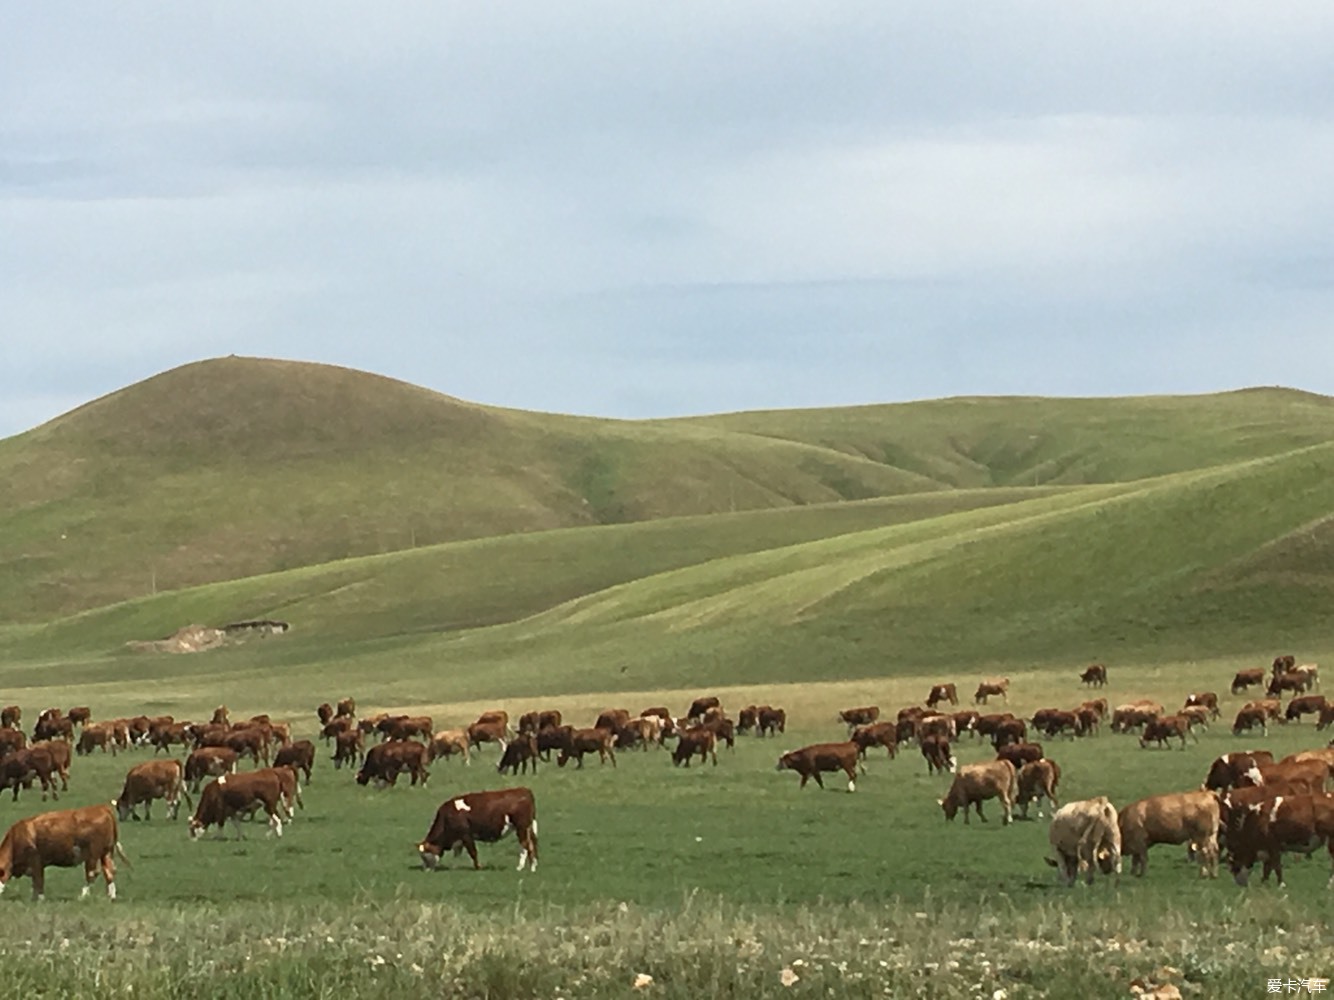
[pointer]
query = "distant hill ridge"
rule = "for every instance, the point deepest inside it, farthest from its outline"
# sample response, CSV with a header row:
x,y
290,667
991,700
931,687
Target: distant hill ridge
x,y
232,467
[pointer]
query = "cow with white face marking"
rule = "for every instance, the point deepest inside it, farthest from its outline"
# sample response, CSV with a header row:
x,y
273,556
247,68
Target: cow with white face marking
x,y
463,820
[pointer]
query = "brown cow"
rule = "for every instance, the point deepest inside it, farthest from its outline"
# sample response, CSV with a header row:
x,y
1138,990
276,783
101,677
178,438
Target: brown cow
x,y
1020,754
449,742
153,779
532,722
1051,722
349,747
1282,663
694,741
10,716
1168,727
854,717
95,735
701,705
63,839
80,715
975,783
486,816
723,729
1247,678
1038,780
985,725
965,721
1326,717
578,742
402,727
10,741
1133,716
1174,818
1094,676
253,741
612,719
1306,704
19,768
325,714
635,733
208,762
347,708
1085,834
878,734
1196,716
235,795
942,692
162,737
490,731
220,716
60,757
1226,771
748,718
1301,823
1248,718
936,725
299,756
520,753
1305,775
385,761
1290,681
1208,699
990,688
810,761
939,758
1009,731
771,721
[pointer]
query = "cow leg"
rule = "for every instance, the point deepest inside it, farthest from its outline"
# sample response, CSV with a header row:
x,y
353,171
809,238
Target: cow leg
x,y
470,846
714,754
818,780
38,876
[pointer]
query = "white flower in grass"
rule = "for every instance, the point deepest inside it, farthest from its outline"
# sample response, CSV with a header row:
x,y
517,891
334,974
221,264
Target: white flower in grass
x,y
787,977
642,980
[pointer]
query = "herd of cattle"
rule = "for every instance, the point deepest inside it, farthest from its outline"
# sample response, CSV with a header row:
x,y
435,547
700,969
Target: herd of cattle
x,y
1249,806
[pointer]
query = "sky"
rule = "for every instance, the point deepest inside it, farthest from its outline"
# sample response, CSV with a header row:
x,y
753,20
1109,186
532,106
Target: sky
x,y
631,209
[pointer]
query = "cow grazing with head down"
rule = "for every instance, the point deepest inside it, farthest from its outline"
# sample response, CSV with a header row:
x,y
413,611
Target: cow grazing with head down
x,y
1174,818
942,692
451,742
384,762
938,755
811,760
235,795
578,742
299,756
975,783
1020,754
1094,676
878,734
1167,728
521,752
1290,681
1226,771
1085,835
1306,704
695,742
1248,718
464,820
1009,731
63,839
1247,678
153,779
990,688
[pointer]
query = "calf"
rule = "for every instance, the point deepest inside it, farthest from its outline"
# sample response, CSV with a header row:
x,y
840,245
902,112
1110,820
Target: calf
x,y
63,839
877,734
153,779
1094,676
811,760
520,753
1085,834
1174,818
235,795
939,758
208,762
486,816
942,692
975,783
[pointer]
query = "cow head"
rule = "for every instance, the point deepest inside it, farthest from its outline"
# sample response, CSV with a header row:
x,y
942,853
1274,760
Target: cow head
x,y
785,761
948,806
430,855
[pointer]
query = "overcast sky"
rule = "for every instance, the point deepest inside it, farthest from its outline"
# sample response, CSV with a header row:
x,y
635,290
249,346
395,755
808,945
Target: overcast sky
x,y
649,209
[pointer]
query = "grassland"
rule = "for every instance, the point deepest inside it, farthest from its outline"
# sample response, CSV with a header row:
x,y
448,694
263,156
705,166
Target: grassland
x,y
436,555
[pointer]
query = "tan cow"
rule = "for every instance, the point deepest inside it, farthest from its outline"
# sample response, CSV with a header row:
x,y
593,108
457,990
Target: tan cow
x,y
1174,818
1085,835
153,779
990,688
65,838
975,783
449,742
1037,781
810,761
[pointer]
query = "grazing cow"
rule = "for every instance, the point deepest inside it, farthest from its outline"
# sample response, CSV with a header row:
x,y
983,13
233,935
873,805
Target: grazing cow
x,y
94,736
1326,717
1174,818
697,741
1098,705
991,688
723,728
748,718
854,717
552,738
975,783
519,753
965,721
1247,678
938,755
1292,775
701,705
385,761
449,742
235,795
810,761
1094,676
1009,731
299,756
209,762
1196,716
612,719
349,748
1226,771
19,768
985,725
1283,663
10,716
1020,754
490,731
80,716
486,816
1306,704
153,779
1168,727
936,725
1087,721
1290,681
578,742
636,732
253,741
1051,722
63,839
771,721
942,692
1132,716
1037,781
1207,699
1312,672
878,734
1301,823
60,757
402,727
1084,835
1248,718
162,737
347,708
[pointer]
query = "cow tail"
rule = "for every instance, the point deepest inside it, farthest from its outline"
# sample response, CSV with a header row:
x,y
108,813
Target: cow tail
x,y
124,858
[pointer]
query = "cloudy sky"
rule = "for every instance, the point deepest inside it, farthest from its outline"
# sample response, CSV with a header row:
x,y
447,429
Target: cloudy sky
x,y
643,209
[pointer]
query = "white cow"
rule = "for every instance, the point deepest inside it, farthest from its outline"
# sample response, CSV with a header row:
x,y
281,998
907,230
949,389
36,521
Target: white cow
x,y
1085,834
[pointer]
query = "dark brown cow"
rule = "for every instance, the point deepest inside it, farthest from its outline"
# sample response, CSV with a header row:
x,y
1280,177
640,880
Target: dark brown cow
x,y
942,692
1094,675
1306,704
1134,716
402,727
253,741
19,768
349,746
299,756
723,728
80,716
1020,754
521,752
486,816
208,762
965,721
1283,663
1038,780
612,719
1301,823
532,722
10,741
1326,717
1051,722
1009,731
385,761
325,714
635,733
1087,721
153,779
1208,699
1249,718
1247,678
1226,771
854,717
990,688
578,742
1168,727
53,727
810,761
10,716
877,734
235,795
748,718
63,839
694,741
986,724
1290,681
1098,705
772,720
701,705
938,755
